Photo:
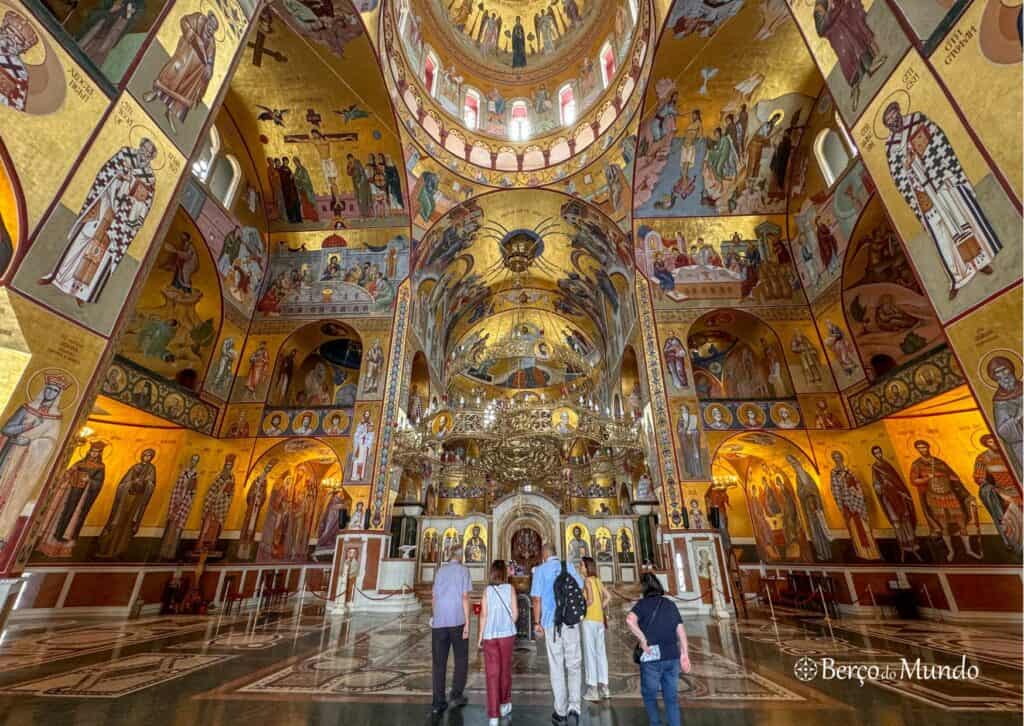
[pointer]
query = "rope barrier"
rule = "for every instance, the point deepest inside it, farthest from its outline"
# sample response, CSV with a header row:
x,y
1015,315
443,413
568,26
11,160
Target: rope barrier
x,y
700,596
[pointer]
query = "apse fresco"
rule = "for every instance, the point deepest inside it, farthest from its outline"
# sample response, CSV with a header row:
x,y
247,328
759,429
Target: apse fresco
x,y
987,37
545,252
857,46
720,139
43,91
181,73
346,273
178,315
86,255
329,155
905,132
735,261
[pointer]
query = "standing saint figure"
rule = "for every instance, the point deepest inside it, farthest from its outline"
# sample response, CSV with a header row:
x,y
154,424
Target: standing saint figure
x,y
358,520
130,501
27,439
360,185
330,524
928,175
1000,492
518,44
1008,409
844,24
182,82
182,496
254,499
271,522
809,360
694,465
374,362
259,362
898,505
849,497
112,214
304,507
77,490
215,506
948,506
813,509
362,448
675,360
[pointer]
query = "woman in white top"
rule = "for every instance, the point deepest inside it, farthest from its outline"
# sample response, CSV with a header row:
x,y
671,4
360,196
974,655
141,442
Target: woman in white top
x,y
498,616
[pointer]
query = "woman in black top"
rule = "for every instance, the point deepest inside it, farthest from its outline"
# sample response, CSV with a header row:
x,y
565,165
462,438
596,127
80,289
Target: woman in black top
x,y
655,622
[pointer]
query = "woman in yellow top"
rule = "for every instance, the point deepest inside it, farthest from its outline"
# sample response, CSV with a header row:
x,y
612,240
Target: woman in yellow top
x,y
595,657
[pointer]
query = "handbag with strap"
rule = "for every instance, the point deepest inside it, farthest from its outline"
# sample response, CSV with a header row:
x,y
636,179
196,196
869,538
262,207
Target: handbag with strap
x,y
638,652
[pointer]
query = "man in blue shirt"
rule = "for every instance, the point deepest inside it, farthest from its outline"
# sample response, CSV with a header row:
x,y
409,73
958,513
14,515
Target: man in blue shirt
x,y
449,629
565,658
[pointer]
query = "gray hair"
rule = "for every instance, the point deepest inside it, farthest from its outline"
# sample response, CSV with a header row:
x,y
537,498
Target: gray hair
x,y
456,553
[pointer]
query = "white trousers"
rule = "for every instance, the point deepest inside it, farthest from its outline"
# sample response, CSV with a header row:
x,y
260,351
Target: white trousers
x,y
565,661
595,657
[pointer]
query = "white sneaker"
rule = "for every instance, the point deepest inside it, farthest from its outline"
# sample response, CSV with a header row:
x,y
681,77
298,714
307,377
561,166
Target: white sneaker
x,y
605,693
493,721
592,694
506,709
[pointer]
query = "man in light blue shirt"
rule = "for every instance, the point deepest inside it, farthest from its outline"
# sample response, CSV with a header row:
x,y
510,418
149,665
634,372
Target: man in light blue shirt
x,y
565,659
449,629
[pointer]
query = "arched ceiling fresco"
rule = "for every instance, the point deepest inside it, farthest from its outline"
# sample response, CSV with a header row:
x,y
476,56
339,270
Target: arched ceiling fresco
x,y
732,82
519,280
310,92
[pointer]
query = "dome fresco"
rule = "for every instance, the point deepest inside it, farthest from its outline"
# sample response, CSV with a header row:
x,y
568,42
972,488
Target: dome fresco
x,y
571,77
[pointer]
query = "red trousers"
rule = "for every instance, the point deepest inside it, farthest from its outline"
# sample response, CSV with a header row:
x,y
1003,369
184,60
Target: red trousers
x,y
498,669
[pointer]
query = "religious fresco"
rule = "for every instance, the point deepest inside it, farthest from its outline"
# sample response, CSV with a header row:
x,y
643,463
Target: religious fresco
x,y
857,45
735,355
240,421
607,183
925,378
822,228
691,446
181,73
329,156
177,317
734,261
987,41
317,367
87,253
109,34
239,251
130,383
224,361
433,190
840,350
890,317
559,245
988,343
343,273
720,141
823,412
933,179
48,364
43,91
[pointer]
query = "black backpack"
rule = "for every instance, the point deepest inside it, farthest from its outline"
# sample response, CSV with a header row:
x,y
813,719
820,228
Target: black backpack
x,y
570,606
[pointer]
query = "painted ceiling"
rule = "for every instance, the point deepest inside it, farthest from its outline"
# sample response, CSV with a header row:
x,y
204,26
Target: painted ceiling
x,y
465,219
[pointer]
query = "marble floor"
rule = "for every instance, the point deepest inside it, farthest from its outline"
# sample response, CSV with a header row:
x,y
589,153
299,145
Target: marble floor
x,y
293,666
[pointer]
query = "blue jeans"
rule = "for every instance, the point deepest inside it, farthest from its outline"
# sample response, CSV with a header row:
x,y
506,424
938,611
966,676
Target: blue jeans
x,y
663,676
